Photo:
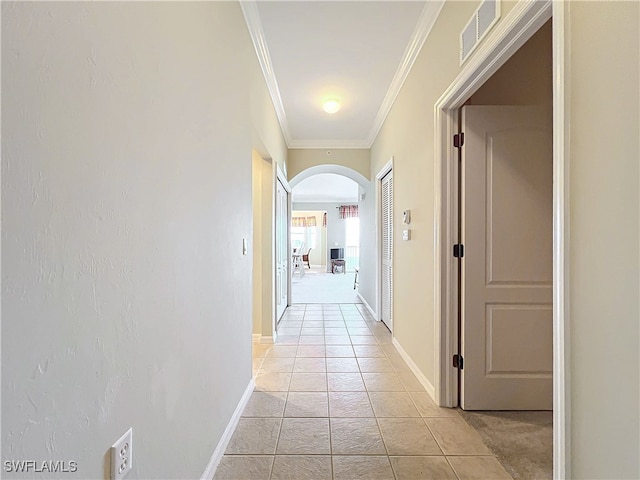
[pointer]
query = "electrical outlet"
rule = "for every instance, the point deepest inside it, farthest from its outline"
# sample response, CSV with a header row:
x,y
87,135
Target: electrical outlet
x,y
122,456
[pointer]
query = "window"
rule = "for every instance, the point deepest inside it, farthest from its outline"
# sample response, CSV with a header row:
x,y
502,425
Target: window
x,y
298,237
352,232
304,231
352,243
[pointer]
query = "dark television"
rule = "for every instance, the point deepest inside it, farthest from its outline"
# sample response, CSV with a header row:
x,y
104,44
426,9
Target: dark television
x,y
337,254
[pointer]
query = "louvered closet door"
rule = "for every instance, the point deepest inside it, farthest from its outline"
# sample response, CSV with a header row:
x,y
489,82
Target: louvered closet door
x,y
387,250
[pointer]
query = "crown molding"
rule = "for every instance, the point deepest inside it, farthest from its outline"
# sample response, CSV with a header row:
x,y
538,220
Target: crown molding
x,y
427,20
254,24
425,23
307,144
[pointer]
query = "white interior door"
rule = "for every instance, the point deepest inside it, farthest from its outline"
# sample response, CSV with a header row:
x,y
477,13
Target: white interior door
x,y
282,255
507,337
387,250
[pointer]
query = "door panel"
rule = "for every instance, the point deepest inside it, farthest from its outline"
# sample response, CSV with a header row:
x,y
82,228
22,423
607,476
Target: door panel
x,y
507,310
517,186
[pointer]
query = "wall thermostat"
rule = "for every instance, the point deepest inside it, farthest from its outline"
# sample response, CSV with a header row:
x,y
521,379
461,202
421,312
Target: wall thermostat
x,y
406,217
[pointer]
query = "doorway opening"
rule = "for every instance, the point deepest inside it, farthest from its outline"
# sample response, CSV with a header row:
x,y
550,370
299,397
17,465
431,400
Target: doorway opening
x,y
325,240
508,75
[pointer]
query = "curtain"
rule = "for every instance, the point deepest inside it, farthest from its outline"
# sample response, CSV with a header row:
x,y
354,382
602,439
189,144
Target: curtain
x,y
348,211
324,220
311,221
299,221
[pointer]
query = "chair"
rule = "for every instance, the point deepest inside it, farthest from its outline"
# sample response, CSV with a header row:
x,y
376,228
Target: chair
x,y
296,264
305,258
355,280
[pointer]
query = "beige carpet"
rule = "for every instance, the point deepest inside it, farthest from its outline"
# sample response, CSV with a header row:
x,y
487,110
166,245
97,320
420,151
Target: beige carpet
x,y
522,441
317,286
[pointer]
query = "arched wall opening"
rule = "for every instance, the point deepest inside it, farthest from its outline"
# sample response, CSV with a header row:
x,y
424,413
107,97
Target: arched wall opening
x,y
328,168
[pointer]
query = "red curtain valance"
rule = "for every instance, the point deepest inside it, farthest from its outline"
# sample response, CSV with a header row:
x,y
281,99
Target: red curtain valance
x,y
348,211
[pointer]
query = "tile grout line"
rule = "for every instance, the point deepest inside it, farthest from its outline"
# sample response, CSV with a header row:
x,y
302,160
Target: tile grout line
x,y
385,355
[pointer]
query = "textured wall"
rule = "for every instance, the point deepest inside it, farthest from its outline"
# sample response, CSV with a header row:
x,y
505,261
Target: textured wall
x,y
126,192
302,159
407,136
604,113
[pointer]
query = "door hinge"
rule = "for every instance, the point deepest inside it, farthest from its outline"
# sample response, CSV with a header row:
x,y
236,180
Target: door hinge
x,y
458,250
458,140
458,361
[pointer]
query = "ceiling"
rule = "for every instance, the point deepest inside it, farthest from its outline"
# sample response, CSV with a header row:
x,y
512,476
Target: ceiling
x,y
326,187
358,52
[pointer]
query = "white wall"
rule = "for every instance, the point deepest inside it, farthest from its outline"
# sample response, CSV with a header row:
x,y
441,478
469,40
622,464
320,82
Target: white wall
x,y
368,247
601,83
336,229
407,137
126,192
603,105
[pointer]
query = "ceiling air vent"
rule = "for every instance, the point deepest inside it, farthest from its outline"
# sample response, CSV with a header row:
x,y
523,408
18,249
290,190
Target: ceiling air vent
x,y
479,24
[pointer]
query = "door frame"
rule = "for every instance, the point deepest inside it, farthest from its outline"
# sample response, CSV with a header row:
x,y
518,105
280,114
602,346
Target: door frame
x,y
502,42
282,178
388,167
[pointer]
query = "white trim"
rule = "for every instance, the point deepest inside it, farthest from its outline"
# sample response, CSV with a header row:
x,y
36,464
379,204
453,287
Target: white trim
x,y
280,175
561,235
385,169
254,25
255,337
424,381
427,20
269,339
367,306
330,168
500,44
210,470
282,178
272,250
290,259
313,144
378,212
513,31
507,36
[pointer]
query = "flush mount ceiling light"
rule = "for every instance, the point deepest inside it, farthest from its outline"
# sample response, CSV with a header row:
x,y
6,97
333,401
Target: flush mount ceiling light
x,y
331,106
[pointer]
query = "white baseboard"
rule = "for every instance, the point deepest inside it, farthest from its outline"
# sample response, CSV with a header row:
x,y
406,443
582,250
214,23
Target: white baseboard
x,y
268,339
210,471
256,337
414,368
368,307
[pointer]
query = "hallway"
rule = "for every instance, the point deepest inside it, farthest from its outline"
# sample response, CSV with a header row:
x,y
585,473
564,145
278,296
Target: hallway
x,y
335,400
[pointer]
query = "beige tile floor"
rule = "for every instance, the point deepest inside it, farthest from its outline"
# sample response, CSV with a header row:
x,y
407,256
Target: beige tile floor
x,y
334,400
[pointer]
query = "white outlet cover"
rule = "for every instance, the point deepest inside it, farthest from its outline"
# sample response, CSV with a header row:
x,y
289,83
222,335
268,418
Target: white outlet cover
x,y
122,456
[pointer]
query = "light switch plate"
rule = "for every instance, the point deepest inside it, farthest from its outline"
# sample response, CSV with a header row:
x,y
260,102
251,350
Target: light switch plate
x,y
406,235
